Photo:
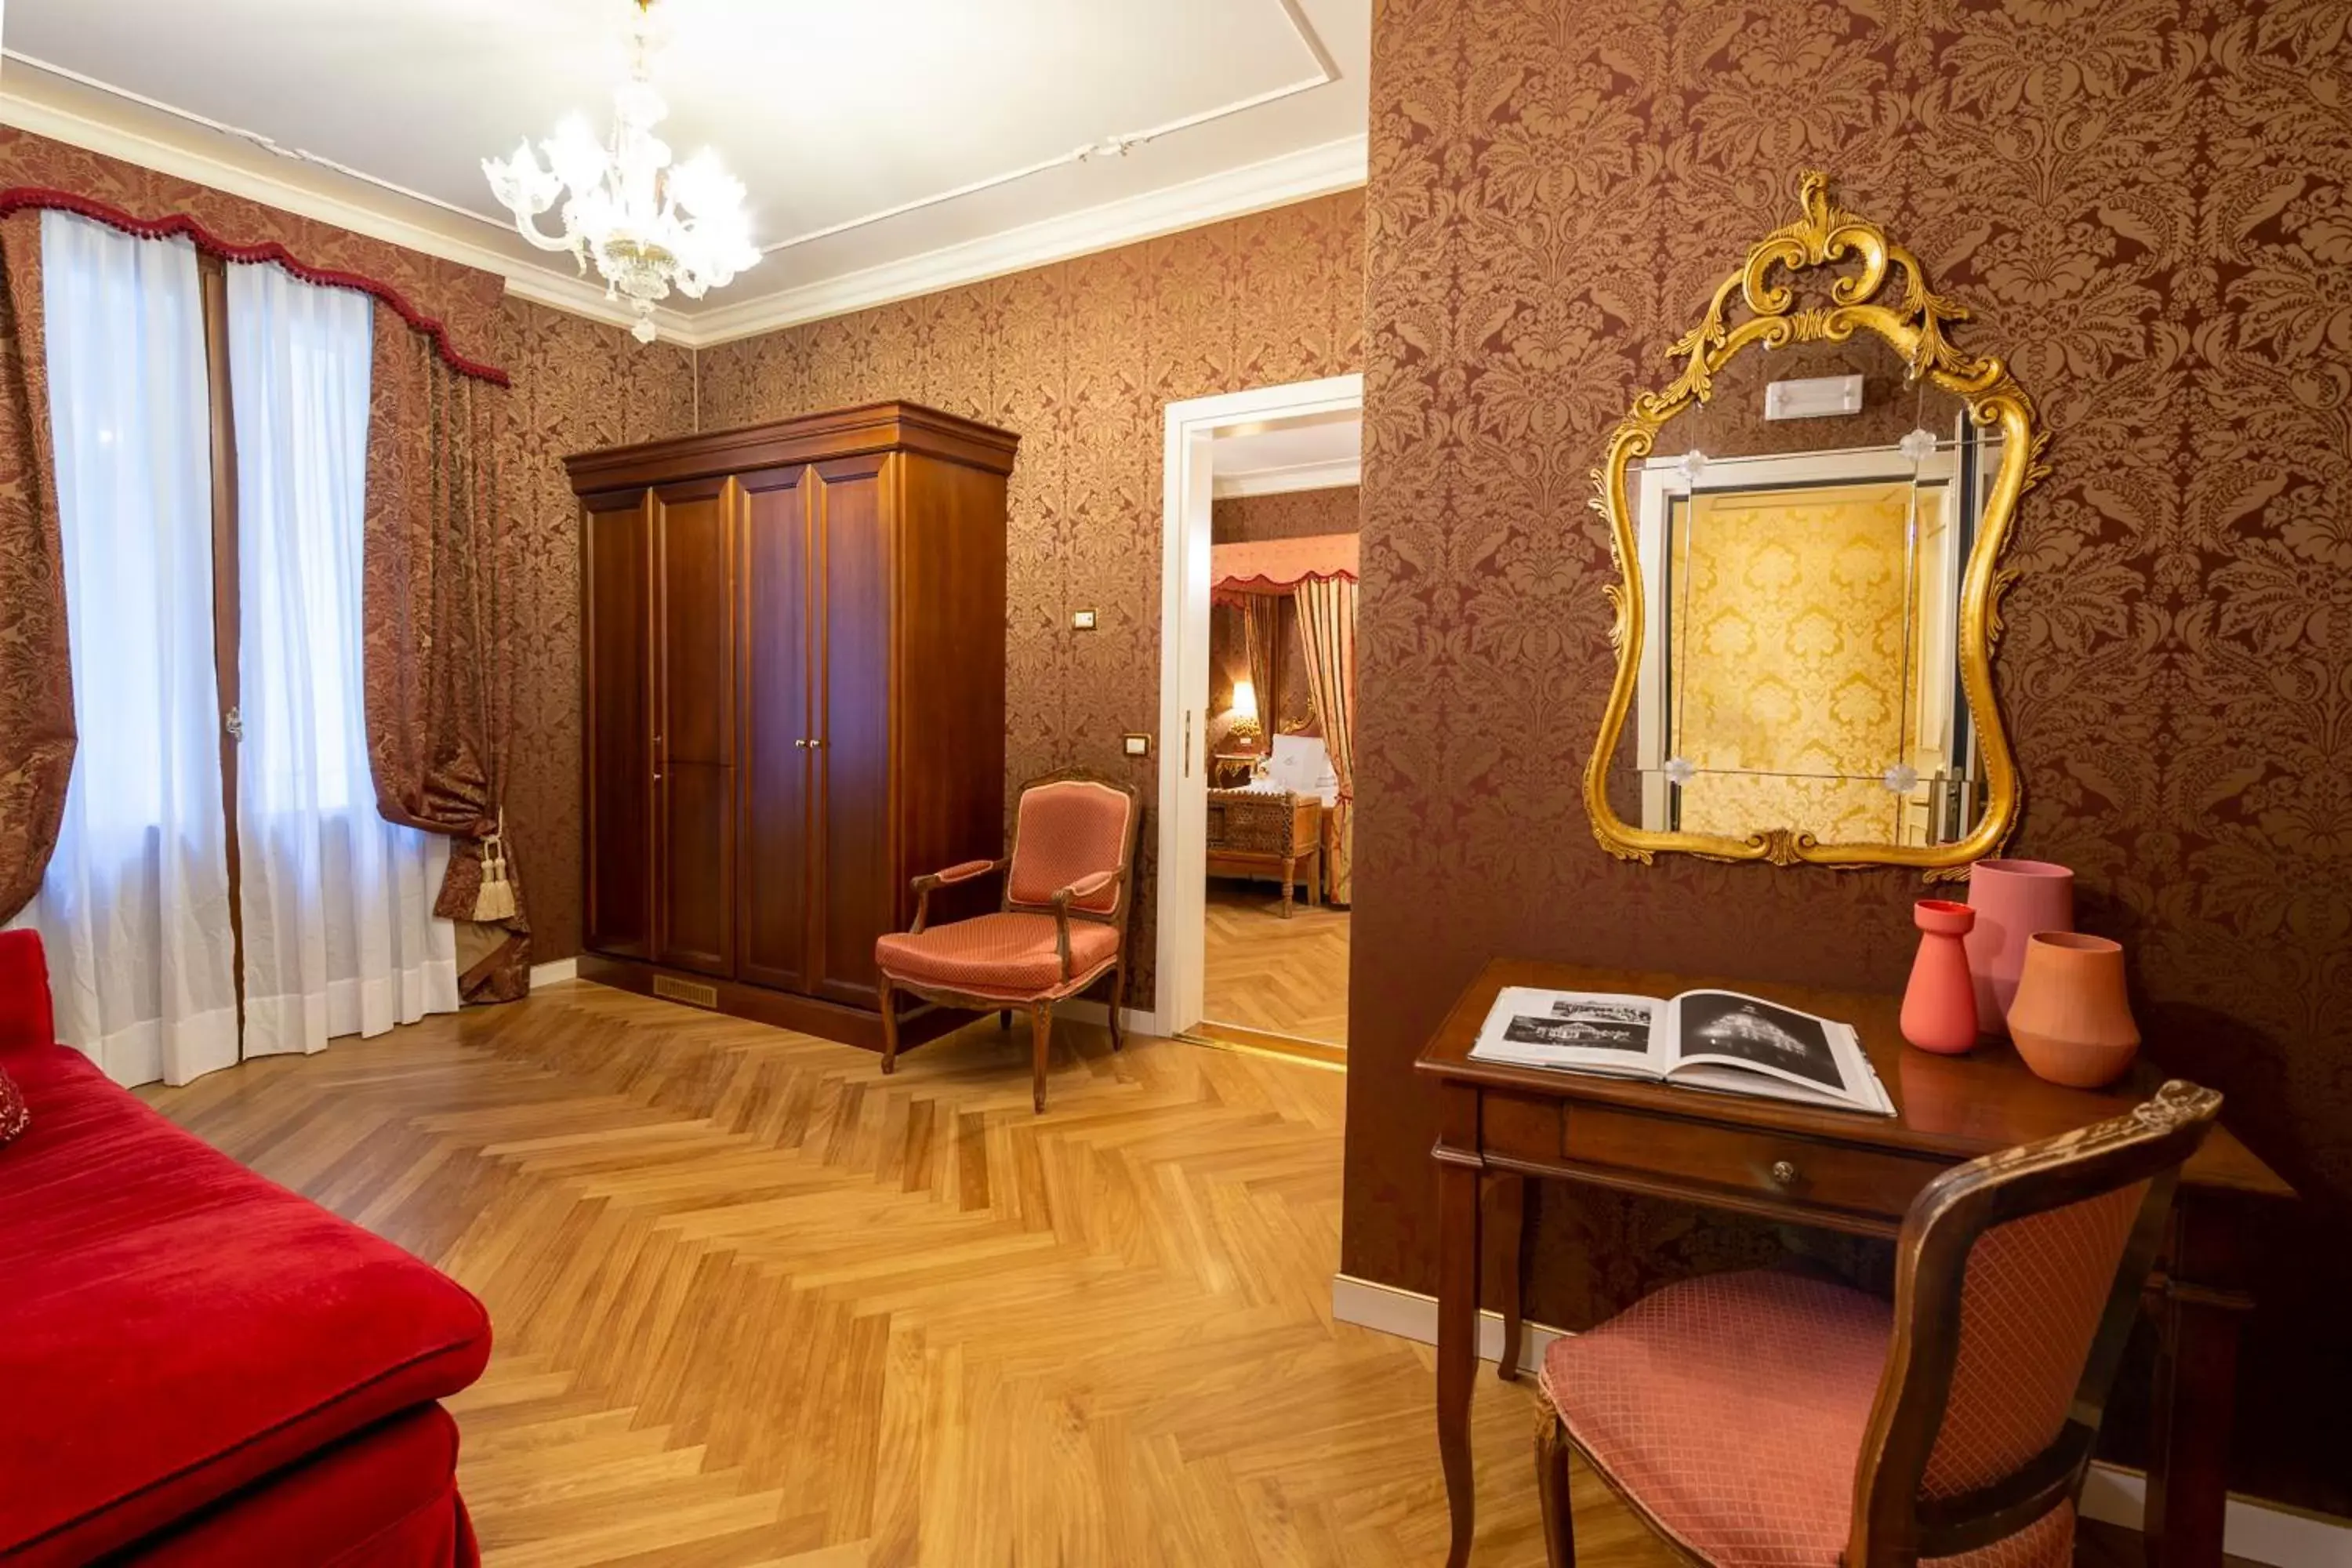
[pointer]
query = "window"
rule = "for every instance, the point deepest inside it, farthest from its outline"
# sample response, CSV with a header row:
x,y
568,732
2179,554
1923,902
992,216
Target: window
x,y
210,424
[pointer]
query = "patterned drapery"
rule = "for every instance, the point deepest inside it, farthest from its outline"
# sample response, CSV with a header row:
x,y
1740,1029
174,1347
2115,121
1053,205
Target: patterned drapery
x,y
1262,640
37,715
1327,630
438,717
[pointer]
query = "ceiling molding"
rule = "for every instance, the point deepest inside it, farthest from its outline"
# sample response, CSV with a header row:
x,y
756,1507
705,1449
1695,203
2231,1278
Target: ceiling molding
x,y
68,107
1336,474
1234,193
371,209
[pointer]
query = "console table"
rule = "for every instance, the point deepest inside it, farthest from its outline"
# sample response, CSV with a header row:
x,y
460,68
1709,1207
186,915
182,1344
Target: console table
x,y
1834,1170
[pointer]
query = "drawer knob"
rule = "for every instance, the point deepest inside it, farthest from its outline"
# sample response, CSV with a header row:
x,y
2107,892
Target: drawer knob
x,y
1784,1172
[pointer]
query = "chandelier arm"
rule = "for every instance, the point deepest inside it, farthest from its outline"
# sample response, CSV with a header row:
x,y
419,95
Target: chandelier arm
x,y
527,225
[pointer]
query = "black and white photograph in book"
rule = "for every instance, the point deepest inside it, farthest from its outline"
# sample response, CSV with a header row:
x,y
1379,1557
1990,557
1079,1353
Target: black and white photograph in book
x,y
1716,1024
1605,1028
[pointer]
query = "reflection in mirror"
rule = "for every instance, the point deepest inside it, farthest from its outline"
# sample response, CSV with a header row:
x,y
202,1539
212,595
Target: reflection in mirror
x,y
1808,521
1803,580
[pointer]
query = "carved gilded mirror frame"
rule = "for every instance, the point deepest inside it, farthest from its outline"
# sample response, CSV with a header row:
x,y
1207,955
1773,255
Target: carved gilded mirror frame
x,y
1916,322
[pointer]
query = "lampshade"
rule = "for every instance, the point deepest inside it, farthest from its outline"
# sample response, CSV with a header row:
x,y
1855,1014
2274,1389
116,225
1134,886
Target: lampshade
x,y
1245,698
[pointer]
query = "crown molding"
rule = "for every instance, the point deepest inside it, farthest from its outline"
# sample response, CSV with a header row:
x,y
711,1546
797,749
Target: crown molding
x,y
1335,474
1277,181
193,153
197,150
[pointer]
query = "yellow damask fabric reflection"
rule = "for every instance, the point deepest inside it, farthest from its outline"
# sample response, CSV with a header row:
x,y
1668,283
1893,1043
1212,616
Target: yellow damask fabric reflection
x,y
1788,657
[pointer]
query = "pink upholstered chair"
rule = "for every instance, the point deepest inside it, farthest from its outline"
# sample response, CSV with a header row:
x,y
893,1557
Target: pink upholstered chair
x,y
1061,928
1775,1420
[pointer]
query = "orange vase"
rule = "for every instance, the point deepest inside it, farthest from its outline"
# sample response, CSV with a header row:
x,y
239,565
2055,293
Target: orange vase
x,y
1939,1005
2071,1019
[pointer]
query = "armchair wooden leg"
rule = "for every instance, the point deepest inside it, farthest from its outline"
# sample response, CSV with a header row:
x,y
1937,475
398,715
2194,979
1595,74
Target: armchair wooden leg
x,y
889,1029
1117,997
1041,1027
1551,1489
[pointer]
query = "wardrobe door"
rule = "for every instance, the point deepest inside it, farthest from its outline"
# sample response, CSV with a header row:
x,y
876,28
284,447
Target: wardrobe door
x,y
694,736
853,512
616,610
774,688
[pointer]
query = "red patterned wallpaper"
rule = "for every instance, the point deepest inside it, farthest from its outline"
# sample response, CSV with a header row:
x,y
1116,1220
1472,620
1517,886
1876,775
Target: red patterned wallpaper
x,y
578,384
2148,203
1293,514
1080,358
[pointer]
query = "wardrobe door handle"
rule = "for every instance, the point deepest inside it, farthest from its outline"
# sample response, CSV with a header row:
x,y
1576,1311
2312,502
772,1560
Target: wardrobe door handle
x,y
799,746
816,744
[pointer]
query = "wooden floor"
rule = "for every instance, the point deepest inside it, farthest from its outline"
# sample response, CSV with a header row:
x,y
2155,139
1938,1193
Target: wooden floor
x,y
756,1304
1274,975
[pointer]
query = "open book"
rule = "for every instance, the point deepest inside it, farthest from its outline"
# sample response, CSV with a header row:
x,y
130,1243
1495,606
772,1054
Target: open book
x,y
1705,1039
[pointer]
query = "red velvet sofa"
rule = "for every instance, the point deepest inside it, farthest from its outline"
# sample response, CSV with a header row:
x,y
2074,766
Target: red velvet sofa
x,y
197,1366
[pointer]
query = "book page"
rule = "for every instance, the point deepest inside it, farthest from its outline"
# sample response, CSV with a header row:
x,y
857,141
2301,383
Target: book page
x,y
1716,1038
1578,1030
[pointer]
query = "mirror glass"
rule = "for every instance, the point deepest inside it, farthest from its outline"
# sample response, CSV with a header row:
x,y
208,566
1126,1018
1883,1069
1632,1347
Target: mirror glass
x,y
1803,536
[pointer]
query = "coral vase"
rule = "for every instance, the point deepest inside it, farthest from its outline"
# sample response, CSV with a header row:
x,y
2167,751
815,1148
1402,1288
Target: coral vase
x,y
2012,899
1939,1005
2072,1020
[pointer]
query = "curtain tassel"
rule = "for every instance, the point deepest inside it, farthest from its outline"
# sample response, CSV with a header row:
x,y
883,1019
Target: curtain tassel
x,y
496,900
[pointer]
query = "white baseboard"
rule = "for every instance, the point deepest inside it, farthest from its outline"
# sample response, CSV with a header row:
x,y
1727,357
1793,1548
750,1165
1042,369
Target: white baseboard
x,y
548,973
2255,1530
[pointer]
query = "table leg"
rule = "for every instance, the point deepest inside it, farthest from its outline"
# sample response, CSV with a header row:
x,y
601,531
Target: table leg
x,y
1457,1344
2188,1470
2205,1305
1511,1225
1289,882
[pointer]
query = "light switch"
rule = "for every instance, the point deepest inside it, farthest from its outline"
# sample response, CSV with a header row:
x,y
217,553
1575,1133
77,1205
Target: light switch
x,y
1136,745
1082,620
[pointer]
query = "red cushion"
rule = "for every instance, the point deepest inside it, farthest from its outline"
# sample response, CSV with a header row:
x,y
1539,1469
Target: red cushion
x,y
175,1326
1015,956
386,1497
1731,1408
1063,833
25,1016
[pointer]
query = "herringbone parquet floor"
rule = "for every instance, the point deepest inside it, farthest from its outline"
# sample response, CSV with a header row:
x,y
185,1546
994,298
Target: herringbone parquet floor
x,y
757,1305
1275,975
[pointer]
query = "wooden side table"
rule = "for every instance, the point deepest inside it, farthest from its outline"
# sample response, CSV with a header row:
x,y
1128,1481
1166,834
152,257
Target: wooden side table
x,y
1255,833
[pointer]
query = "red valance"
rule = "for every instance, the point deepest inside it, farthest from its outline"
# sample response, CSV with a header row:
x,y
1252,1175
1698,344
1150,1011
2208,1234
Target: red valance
x,y
22,199
1279,565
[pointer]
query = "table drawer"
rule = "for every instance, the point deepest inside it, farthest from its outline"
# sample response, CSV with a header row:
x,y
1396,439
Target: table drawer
x,y
1781,1169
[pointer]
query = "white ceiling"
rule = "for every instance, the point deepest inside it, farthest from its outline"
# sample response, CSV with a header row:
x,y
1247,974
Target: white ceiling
x,y
1313,453
890,146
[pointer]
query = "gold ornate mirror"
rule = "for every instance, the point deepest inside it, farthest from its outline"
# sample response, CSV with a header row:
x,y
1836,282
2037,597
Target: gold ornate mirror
x,y
1808,524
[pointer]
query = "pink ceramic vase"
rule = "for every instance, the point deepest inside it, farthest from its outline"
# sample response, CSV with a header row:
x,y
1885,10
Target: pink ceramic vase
x,y
2012,899
1939,1005
2071,1019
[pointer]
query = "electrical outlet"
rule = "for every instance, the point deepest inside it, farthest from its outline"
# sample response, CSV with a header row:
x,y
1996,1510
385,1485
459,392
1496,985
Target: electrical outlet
x,y
1082,620
1136,745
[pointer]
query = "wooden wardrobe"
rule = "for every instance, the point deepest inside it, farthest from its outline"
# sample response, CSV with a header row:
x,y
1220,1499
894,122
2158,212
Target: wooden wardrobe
x,y
793,673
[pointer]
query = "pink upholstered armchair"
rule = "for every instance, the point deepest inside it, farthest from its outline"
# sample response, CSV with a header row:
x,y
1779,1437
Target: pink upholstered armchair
x,y
1776,1420
1061,928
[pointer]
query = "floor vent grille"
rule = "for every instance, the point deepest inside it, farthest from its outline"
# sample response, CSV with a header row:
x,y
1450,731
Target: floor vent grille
x,y
686,991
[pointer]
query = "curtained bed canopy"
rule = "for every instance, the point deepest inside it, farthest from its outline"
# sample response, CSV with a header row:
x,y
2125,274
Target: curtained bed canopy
x,y
1278,565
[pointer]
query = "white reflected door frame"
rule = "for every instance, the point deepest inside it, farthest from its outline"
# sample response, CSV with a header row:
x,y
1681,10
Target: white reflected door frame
x,y
1184,580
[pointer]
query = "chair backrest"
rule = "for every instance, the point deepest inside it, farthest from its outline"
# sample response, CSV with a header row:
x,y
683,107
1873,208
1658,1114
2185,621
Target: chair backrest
x,y
2018,1278
1069,826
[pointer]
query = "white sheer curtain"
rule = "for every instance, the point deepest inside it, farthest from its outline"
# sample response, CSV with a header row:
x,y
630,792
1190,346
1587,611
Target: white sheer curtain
x,y
339,935
134,910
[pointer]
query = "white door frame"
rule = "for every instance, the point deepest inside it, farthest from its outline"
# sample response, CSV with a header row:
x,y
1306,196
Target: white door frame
x,y
1184,672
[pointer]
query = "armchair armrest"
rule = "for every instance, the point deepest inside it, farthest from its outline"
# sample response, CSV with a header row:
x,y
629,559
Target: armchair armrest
x,y
962,872
1084,888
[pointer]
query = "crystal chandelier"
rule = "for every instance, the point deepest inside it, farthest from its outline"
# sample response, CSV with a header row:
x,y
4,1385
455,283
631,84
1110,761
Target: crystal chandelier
x,y
648,225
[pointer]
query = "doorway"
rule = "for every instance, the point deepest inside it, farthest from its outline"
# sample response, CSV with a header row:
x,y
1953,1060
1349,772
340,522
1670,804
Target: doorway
x,y
1257,682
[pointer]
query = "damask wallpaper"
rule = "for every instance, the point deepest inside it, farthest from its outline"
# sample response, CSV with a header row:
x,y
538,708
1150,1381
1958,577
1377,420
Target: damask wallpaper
x,y
1294,514
1079,358
578,384
2149,204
